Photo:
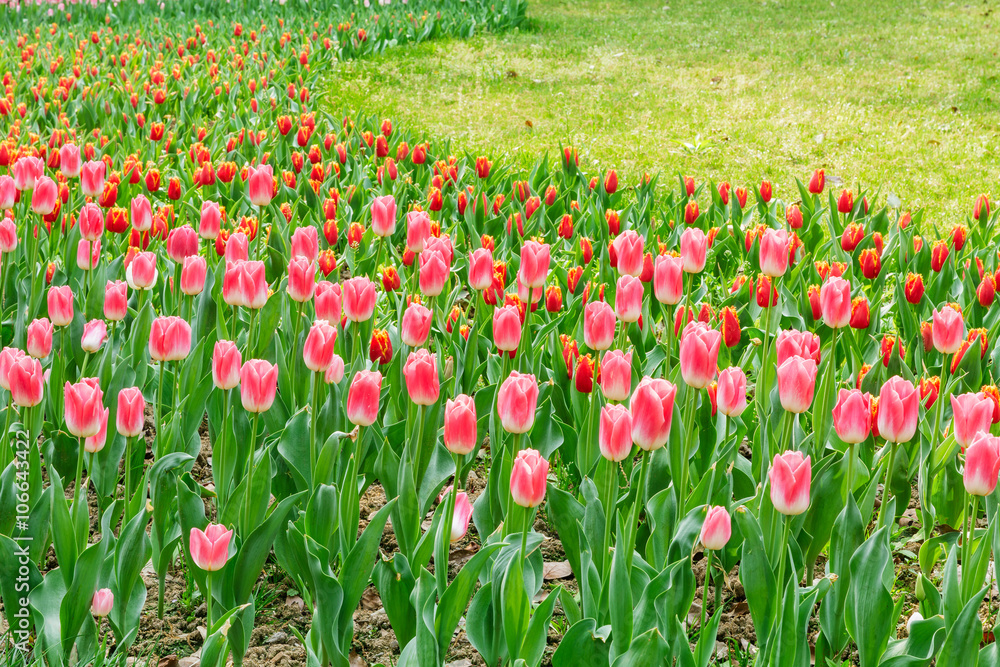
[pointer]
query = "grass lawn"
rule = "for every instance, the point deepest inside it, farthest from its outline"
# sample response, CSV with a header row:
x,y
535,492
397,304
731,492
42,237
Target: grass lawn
x,y
901,96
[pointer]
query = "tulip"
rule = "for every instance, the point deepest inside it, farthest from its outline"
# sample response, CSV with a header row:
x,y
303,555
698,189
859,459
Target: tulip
x,y
258,385
528,477
92,178
131,416
835,302
796,384
260,184
359,299
327,301
102,602
852,416
616,375
416,325
8,194
226,364
210,222
694,245
25,380
8,356
69,160
535,258
84,407
8,235
335,371
245,284
652,408
433,272
615,434
91,222
95,332
461,515
717,529
305,243
418,229
318,349
96,442
628,247
141,272
384,215
169,339
237,248
668,279
517,401
43,199
948,330
774,252
88,254
210,547
973,414
182,242
301,279
480,269
193,275
421,374
60,301
898,406
982,465
460,425
363,398
791,343
790,476
507,328
142,213
699,354
731,391
115,300
39,338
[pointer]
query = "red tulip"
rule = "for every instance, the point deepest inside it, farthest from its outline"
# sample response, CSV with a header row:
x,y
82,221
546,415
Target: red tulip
x,y
774,252
790,476
913,290
39,338
982,465
652,409
460,425
210,547
517,401
699,353
986,291
258,385
416,325
793,216
939,255
84,405
169,339
615,435
363,397
948,330
845,204
694,246
973,413
668,279
318,349
796,384
731,391
717,529
628,299
766,191
817,182
898,409
131,415
852,416
616,375
860,313
981,209
528,477
25,380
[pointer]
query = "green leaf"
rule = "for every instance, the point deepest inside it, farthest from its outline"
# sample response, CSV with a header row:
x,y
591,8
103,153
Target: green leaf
x,y
869,604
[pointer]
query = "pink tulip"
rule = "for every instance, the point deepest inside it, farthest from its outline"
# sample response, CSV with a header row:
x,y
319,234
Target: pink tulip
x,y
43,199
517,401
210,222
142,213
598,325
335,371
421,374
260,184
318,349
8,357
245,284
441,244
628,249
668,279
898,409
615,434
115,300
96,442
27,171
60,300
699,354
91,222
717,529
169,339
973,413
25,380
359,298
227,363
237,248
88,254
8,231
92,178
835,302
535,259
528,295
182,242
433,272
947,330
416,325
95,332
210,547
792,343
84,405
8,194
694,247
384,215
507,328
652,409
731,391
131,415
103,601
363,398
982,465
328,302
141,272
39,343
790,477
796,384
258,385
69,160
301,279
480,269
418,230
463,512
628,299
305,243
193,275
852,416
528,477
616,375
774,252
460,425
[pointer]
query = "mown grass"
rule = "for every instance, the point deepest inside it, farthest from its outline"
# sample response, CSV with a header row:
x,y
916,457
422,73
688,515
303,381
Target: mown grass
x,y
888,94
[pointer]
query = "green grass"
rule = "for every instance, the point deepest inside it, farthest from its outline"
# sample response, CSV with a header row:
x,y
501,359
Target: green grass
x,y
886,94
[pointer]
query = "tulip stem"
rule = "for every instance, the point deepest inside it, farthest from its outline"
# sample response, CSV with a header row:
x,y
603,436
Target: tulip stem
x,y
444,554
313,454
850,468
681,487
704,588
885,486
923,483
524,533
611,498
126,496
782,557
160,430
967,580
208,601
640,491
670,340
294,348
79,473
253,448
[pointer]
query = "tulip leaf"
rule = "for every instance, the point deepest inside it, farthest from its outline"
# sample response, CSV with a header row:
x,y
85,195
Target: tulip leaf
x,y
582,645
456,596
964,634
647,650
516,608
869,603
